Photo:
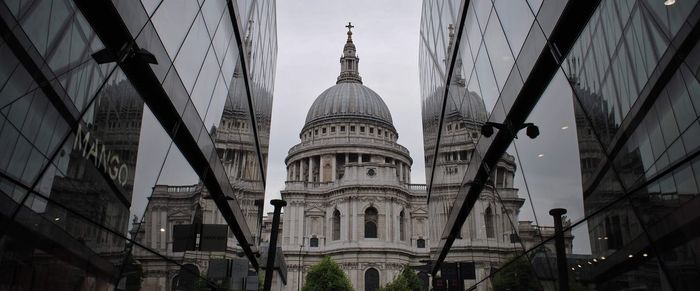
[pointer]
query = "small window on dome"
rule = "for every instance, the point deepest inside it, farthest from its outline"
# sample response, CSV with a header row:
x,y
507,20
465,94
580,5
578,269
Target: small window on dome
x,y
366,158
316,132
449,127
379,132
362,129
332,128
352,128
386,134
342,128
323,130
371,130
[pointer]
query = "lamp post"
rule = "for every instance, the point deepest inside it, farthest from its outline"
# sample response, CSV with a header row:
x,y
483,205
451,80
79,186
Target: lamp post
x,y
556,213
299,264
272,248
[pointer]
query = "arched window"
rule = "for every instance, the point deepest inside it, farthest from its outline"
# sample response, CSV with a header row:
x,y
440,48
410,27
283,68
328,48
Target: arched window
x,y
313,242
336,225
420,243
371,279
371,223
488,220
402,226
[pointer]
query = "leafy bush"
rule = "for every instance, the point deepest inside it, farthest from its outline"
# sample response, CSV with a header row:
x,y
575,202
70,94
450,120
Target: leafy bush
x,y
407,280
327,275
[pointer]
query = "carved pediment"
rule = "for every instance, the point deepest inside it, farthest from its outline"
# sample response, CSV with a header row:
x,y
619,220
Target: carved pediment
x,y
419,212
180,213
315,211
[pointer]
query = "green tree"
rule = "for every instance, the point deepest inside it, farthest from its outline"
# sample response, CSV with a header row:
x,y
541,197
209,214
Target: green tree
x,y
327,275
407,280
516,275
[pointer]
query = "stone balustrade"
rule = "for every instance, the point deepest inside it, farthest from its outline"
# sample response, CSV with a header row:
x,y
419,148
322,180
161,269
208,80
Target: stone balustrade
x,y
347,140
303,185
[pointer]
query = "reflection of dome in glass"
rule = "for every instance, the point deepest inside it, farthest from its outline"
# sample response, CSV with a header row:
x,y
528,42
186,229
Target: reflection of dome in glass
x,y
461,104
465,104
352,100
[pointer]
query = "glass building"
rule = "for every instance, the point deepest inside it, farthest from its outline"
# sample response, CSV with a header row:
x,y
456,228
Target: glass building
x,y
613,90
105,106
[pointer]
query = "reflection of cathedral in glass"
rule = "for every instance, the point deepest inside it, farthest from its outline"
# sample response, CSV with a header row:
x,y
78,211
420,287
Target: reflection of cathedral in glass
x,y
492,232
87,175
235,145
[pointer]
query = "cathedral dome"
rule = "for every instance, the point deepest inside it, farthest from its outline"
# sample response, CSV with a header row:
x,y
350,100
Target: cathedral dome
x,y
349,100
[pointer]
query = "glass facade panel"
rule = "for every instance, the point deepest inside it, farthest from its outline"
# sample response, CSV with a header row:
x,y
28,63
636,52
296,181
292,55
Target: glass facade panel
x,y
173,21
500,55
103,164
613,144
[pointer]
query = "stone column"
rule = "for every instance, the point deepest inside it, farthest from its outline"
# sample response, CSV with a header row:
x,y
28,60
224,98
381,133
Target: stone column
x,y
394,226
478,211
241,170
409,226
154,228
334,172
348,222
293,228
328,225
311,169
400,172
286,222
297,224
405,173
300,208
347,158
355,216
302,167
300,170
387,220
321,170
163,224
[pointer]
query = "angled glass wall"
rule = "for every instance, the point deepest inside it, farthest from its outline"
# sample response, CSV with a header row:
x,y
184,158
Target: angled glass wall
x,y
612,87
121,121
